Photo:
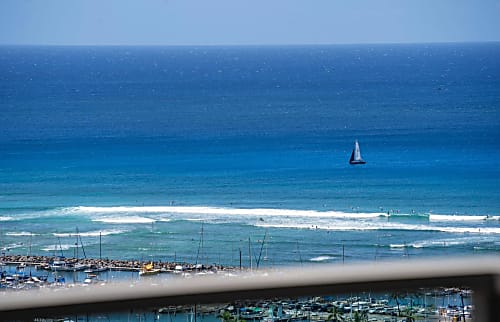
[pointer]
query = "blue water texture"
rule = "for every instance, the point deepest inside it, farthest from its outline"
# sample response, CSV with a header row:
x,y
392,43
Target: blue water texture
x,y
86,129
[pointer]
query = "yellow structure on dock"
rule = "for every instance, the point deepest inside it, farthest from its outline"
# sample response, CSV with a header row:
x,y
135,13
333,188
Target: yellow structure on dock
x,y
148,269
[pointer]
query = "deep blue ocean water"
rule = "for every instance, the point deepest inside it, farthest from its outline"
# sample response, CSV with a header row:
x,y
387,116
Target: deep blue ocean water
x,y
147,145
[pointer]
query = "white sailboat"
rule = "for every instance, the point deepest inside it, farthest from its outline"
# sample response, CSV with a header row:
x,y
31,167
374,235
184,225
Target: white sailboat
x,y
356,155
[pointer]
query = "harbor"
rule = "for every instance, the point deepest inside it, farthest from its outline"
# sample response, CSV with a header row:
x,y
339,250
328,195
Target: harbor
x,y
366,307
21,273
26,272
46,262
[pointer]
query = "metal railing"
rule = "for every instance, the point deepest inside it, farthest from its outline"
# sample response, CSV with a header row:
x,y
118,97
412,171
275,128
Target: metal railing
x,y
480,274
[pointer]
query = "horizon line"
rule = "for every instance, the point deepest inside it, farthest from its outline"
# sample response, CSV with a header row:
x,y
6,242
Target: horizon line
x,y
249,45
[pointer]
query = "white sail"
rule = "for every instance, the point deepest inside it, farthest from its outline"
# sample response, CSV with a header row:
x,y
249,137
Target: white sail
x,y
356,155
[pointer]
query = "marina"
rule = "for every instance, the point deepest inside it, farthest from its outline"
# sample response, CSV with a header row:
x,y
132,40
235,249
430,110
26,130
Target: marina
x,y
43,265
21,273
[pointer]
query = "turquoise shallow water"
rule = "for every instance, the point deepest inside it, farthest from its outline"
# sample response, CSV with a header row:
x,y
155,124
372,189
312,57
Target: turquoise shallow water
x,y
251,143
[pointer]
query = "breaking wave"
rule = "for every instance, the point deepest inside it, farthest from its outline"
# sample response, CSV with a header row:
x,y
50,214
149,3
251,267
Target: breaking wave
x,y
278,218
321,258
56,248
433,217
126,220
221,211
91,233
393,226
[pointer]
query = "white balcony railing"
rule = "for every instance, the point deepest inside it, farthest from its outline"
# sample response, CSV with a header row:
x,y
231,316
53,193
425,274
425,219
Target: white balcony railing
x,y
480,274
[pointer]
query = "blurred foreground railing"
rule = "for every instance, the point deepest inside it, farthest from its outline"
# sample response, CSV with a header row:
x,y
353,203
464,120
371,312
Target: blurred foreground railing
x,y
481,274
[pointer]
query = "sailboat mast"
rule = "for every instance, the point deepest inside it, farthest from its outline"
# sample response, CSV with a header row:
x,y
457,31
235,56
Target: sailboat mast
x,y
31,241
76,244
202,240
261,249
60,246
100,245
83,248
250,253
199,254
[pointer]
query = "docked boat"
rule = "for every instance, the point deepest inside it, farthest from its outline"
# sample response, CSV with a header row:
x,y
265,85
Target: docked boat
x,y
95,269
356,155
62,266
92,279
57,265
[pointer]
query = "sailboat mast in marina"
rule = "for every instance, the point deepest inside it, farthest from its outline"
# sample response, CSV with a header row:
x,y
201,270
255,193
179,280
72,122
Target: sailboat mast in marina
x,y
356,155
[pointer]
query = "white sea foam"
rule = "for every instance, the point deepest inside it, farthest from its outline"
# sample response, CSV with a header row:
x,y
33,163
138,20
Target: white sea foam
x,y
282,218
106,232
12,246
117,209
445,242
118,214
196,219
348,226
321,258
433,217
52,248
340,225
91,233
160,212
279,218
291,225
21,233
476,230
63,234
125,220
258,212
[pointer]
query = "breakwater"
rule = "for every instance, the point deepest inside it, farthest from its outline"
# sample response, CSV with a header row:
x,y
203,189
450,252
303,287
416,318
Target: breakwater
x,y
45,262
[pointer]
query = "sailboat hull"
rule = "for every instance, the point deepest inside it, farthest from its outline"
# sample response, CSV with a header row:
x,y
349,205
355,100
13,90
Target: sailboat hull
x,y
149,272
357,162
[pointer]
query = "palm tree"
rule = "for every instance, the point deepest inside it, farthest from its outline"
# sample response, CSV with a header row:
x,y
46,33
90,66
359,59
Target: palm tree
x,y
408,314
360,316
395,296
226,316
335,315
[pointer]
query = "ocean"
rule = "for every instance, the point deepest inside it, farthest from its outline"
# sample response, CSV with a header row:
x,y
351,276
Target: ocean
x,y
200,154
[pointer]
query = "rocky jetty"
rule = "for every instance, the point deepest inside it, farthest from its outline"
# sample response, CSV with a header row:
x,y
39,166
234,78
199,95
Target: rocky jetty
x,y
112,264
